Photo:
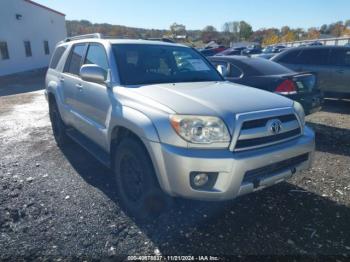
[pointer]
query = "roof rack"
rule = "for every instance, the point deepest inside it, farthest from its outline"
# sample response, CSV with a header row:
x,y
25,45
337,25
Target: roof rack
x,y
79,37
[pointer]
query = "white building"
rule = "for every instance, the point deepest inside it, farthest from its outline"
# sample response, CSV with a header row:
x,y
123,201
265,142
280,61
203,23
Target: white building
x,y
28,35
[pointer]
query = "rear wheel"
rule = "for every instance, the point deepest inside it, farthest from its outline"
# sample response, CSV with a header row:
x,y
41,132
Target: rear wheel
x,y
138,189
58,127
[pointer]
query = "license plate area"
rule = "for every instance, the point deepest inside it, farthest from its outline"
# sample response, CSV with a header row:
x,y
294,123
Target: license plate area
x,y
268,174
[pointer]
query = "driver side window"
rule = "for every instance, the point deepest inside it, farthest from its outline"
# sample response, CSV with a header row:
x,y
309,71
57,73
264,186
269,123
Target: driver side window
x,y
97,55
74,62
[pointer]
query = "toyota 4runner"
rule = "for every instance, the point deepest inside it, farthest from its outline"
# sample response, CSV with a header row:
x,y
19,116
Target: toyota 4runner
x,y
168,124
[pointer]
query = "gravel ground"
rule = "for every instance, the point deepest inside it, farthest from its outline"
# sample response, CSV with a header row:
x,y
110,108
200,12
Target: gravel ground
x,y
61,204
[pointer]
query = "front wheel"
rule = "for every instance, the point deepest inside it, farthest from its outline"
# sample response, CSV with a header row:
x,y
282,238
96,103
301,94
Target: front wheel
x,y
138,189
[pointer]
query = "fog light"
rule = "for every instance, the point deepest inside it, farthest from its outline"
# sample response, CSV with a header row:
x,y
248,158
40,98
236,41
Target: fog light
x,y
200,180
203,180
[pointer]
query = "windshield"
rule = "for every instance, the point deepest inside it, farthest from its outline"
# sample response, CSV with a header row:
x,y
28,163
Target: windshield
x,y
141,64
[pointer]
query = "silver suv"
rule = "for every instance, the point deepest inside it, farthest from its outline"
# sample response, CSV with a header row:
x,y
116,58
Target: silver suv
x,y
165,121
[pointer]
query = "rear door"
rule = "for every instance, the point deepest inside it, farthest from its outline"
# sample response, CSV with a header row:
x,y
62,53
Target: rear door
x,y
70,77
340,72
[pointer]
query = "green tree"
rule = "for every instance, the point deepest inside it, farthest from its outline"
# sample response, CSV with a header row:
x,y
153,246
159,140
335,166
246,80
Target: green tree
x,y
245,30
313,33
177,29
285,30
209,33
289,37
347,23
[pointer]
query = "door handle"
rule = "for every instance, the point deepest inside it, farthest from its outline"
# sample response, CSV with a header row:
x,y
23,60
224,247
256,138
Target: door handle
x,y
340,71
61,79
79,86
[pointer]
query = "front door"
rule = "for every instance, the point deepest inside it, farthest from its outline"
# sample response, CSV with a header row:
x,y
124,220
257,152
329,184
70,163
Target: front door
x,y
94,100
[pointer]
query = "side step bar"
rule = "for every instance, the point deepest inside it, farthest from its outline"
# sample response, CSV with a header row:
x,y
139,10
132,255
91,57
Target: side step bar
x,y
95,150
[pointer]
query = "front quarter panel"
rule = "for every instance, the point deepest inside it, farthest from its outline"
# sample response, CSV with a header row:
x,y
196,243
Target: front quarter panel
x,y
135,121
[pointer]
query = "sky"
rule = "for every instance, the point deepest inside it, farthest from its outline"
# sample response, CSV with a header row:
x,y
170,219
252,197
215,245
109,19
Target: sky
x,y
196,14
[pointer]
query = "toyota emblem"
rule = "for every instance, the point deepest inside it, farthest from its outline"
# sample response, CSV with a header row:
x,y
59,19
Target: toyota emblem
x,y
275,126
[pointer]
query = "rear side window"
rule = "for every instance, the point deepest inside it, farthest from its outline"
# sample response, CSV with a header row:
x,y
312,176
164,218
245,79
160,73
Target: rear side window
x,y
289,57
260,66
57,56
314,57
216,63
235,71
97,55
75,59
340,57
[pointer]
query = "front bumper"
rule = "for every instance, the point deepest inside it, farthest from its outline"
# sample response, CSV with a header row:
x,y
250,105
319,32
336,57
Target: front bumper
x,y
173,166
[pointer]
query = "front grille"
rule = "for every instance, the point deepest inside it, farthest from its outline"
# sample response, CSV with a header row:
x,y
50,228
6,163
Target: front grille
x,y
262,122
257,132
254,176
267,139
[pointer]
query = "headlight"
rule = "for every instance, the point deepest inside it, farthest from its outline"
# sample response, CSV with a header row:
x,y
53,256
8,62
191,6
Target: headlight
x,y
200,129
300,111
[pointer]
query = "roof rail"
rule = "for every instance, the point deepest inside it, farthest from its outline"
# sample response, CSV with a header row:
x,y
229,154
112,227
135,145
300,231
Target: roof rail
x,y
79,37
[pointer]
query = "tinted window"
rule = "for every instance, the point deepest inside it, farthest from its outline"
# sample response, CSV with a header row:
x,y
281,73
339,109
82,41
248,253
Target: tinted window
x,y
151,64
288,57
260,66
27,48
46,48
209,52
340,57
235,71
96,55
4,52
225,64
74,63
313,57
57,56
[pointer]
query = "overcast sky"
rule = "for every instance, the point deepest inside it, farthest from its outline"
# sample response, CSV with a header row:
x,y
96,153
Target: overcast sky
x,y
196,14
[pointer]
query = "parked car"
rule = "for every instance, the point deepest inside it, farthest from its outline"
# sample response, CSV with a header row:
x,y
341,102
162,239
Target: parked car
x,y
265,56
170,127
273,49
252,50
232,51
315,43
212,51
270,51
270,76
330,63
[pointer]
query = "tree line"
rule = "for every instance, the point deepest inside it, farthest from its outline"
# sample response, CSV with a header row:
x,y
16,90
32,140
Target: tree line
x,y
235,31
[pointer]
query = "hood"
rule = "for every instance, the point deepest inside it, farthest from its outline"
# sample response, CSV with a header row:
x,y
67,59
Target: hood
x,y
209,98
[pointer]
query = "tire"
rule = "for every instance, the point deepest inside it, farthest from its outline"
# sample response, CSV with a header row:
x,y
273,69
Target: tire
x,y
137,187
58,127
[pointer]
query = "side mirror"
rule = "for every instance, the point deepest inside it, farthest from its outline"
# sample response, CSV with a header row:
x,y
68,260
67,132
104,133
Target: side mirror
x,y
222,70
93,73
